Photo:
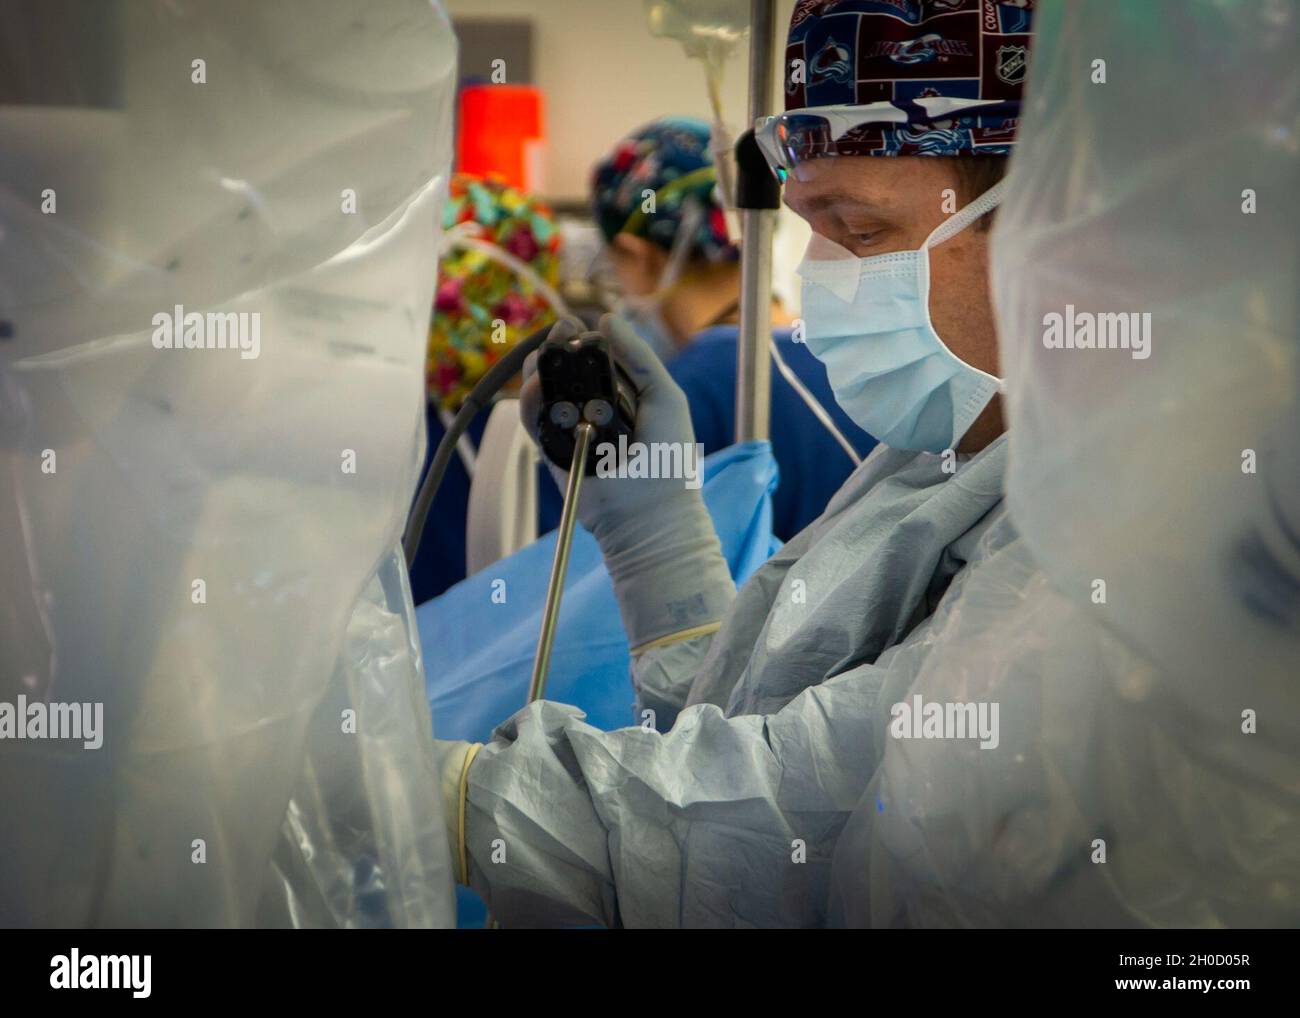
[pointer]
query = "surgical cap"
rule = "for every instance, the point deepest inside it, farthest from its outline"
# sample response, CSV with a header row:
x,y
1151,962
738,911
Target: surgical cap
x,y
482,307
669,158
867,51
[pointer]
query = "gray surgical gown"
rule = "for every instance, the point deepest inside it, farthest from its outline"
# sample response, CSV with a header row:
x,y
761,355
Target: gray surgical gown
x,y
725,806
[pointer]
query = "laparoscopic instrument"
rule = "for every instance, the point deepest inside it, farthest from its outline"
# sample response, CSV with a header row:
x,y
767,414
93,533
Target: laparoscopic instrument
x,y
587,401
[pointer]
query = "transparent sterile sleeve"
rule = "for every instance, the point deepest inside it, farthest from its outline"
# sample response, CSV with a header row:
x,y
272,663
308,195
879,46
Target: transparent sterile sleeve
x,y
1137,623
218,226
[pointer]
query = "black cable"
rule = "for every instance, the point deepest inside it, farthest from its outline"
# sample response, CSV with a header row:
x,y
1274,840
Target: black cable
x,y
479,397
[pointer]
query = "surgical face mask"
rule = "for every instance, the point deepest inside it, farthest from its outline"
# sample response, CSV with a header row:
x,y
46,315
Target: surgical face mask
x,y
868,321
644,314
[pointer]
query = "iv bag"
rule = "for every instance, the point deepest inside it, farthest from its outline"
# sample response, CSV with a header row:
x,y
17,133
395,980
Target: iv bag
x,y
703,27
708,31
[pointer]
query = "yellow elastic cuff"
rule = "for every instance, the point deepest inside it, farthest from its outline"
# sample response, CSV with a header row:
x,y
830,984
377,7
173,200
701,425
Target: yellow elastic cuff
x,y
685,634
460,817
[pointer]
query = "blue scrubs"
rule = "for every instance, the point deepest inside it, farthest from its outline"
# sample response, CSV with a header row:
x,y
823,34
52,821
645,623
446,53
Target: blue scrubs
x,y
812,464
440,562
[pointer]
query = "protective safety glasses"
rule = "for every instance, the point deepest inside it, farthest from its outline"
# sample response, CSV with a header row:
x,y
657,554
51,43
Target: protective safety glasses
x,y
796,136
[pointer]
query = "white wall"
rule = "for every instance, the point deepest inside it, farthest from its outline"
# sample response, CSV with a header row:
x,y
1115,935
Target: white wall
x,y
603,74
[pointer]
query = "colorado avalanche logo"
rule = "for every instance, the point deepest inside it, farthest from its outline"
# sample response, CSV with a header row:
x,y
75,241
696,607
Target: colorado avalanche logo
x,y
916,50
1012,62
927,141
831,63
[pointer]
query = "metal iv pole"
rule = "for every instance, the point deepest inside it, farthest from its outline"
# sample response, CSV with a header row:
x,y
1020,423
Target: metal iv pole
x,y
758,220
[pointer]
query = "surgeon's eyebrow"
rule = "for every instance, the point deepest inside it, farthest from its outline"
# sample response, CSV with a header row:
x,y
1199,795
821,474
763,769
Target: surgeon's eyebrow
x,y
831,199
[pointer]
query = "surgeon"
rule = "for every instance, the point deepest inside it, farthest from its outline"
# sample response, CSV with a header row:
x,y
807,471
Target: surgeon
x,y
761,723
680,276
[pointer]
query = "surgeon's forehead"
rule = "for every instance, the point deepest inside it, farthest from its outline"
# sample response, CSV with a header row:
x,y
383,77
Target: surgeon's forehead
x,y
872,184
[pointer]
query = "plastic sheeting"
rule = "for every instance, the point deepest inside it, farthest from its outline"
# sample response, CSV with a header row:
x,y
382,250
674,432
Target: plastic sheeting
x,y
1141,635
203,540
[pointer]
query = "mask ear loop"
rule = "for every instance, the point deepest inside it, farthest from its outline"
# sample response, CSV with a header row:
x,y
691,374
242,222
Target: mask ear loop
x,y
962,218
683,243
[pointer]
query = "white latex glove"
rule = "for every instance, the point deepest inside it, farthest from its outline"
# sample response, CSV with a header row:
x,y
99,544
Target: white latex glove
x,y
659,544
453,760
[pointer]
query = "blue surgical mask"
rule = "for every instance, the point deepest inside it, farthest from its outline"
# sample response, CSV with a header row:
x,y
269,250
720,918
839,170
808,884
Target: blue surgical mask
x,y
868,321
644,312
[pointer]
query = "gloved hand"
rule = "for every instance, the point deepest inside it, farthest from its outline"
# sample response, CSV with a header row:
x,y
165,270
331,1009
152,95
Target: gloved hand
x,y
657,538
452,760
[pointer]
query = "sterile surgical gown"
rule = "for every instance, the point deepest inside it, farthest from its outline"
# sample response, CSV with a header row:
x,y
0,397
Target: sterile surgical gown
x,y
768,731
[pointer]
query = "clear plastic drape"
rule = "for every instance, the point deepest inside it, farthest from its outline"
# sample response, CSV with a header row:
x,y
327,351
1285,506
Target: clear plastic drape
x,y
1138,620
218,225
1169,471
